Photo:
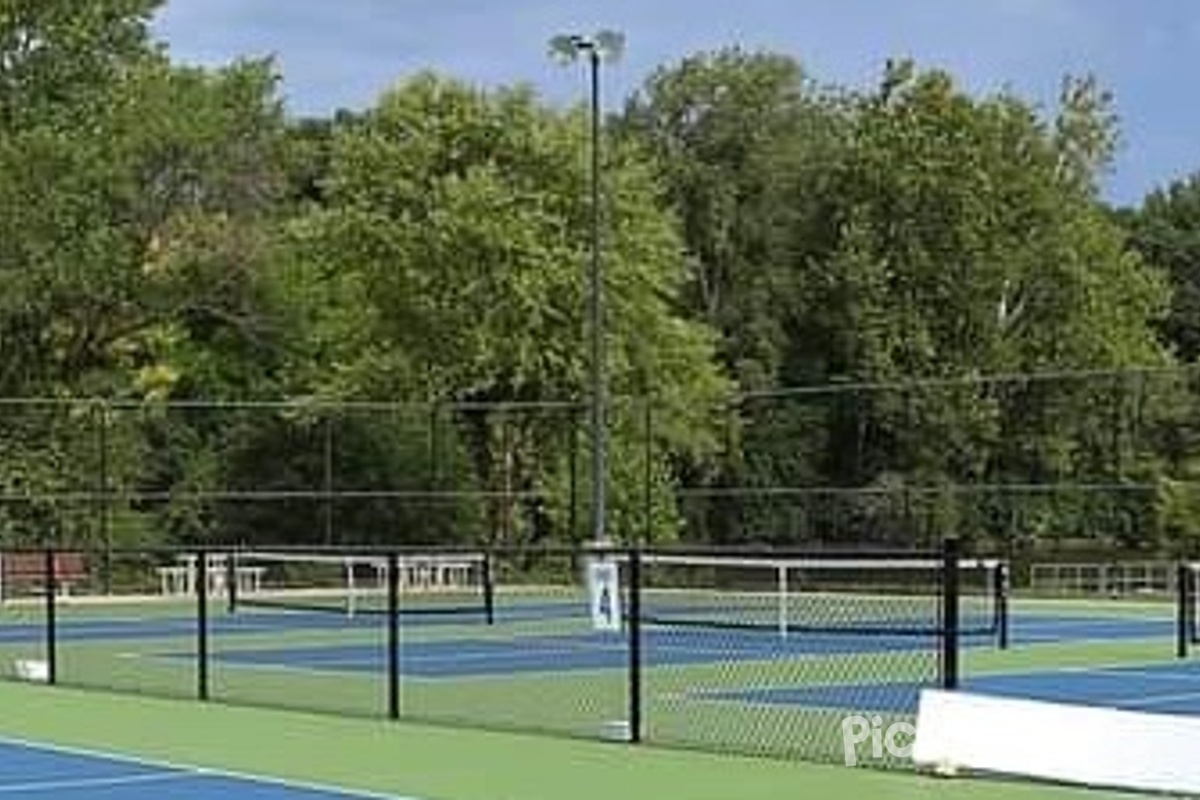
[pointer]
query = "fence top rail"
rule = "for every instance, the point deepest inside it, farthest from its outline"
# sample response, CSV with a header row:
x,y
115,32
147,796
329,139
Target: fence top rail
x,y
809,562
1040,376
268,495
757,550
833,385
919,489
291,404
1119,564
659,554
356,559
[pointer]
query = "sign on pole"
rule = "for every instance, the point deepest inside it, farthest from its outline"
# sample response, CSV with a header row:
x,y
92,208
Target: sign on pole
x,y
604,590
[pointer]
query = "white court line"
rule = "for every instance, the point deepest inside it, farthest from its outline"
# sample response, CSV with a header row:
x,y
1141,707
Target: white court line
x,y
193,771
69,785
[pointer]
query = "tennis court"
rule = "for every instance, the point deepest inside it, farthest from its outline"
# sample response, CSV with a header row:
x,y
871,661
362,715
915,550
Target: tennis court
x,y
305,753
589,650
553,637
35,770
764,660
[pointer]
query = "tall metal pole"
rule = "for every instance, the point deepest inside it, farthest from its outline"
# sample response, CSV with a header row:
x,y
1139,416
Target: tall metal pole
x,y
605,45
596,280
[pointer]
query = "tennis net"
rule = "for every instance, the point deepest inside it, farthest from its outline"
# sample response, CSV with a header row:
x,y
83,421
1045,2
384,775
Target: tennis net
x,y
853,596
455,584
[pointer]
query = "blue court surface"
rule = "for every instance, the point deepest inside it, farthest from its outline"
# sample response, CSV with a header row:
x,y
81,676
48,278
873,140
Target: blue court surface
x,y
479,657
28,770
1026,628
1166,688
467,657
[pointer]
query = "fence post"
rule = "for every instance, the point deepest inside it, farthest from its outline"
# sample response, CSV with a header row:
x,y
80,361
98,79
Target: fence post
x,y
1184,609
1003,591
231,581
393,634
635,645
202,624
951,551
51,617
489,588
573,480
327,477
105,526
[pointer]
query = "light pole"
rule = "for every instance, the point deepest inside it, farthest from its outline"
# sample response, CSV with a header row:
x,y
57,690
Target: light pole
x,y
605,46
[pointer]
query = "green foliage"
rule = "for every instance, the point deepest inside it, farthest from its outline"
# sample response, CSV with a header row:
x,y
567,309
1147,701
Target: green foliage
x,y
907,233
453,239
1166,231
731,133
167,237
60,59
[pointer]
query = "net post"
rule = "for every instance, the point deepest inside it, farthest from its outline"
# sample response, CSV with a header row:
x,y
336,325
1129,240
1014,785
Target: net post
x,y
489,588
202,624
635,645
951,551
51,616
393,634
1183,608
1003,591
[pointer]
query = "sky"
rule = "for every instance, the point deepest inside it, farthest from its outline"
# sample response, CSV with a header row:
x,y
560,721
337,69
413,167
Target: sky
x,y
344,53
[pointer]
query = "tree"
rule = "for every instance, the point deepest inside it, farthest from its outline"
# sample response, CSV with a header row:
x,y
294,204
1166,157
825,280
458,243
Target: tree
x,y
60,59
905,234
452,245
136,201
976,247
733,133
1166,231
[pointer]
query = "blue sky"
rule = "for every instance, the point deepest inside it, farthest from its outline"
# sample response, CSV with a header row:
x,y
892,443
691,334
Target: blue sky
x,y
343,53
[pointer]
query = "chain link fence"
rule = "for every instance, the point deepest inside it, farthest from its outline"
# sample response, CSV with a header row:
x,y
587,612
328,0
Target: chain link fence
x,y
741,652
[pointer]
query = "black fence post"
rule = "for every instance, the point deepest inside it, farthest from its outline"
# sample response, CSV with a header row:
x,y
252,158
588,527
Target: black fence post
x,y
202,624
1003,590
393,634
231,581
951,552
1184,609
635,645
489,588
105,502
51,617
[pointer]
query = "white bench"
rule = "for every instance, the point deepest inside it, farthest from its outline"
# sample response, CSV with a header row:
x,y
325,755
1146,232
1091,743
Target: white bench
x,y
180,579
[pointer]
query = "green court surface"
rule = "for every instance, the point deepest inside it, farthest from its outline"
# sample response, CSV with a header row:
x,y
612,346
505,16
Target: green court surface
x,y
439,763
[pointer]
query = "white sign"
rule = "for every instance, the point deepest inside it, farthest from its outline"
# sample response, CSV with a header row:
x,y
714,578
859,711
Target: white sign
x,y
604,590
1066,743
